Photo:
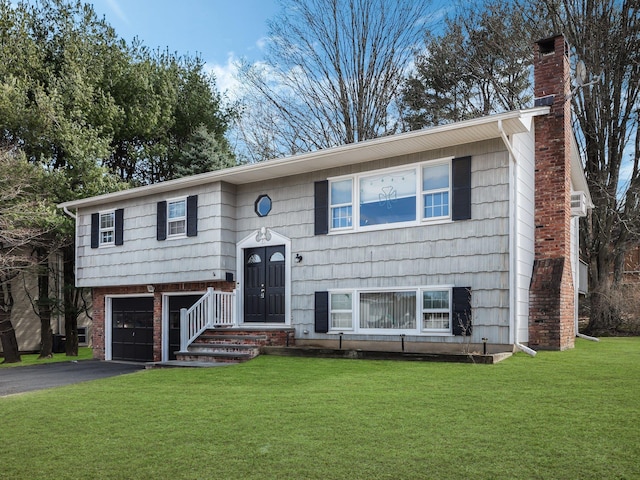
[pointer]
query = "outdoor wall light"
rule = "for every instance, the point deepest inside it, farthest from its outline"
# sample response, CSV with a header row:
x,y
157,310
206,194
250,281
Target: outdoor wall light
x,y
150,288
298,258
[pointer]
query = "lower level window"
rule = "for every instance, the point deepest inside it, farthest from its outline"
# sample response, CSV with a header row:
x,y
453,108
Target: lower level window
x,y
435,310
418,310
388,310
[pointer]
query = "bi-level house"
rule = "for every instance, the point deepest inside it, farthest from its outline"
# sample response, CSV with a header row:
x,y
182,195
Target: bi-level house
x,y
446,238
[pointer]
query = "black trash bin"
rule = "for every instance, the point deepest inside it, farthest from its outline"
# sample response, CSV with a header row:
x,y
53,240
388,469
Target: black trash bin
x,y
59,343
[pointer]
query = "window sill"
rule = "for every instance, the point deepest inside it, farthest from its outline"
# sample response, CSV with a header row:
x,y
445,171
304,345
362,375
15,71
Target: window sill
x,y
390,226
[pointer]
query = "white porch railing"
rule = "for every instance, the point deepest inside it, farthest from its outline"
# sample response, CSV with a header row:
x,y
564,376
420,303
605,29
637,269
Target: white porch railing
x,y
214,309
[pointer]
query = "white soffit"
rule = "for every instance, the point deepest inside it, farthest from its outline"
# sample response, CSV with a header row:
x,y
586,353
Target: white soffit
x,y
458,133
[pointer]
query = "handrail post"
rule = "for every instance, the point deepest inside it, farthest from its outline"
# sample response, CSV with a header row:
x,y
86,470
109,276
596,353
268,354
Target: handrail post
x,y
210,307
184,330
234,308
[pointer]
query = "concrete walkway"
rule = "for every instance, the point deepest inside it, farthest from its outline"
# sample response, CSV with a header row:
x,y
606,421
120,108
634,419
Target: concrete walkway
x,y
38,377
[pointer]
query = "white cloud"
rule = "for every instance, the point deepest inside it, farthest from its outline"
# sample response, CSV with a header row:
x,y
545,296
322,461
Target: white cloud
x,y
226,76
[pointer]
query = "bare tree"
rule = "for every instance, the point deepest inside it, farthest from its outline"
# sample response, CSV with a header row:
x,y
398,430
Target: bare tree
x,y
331,75
23,227
605,35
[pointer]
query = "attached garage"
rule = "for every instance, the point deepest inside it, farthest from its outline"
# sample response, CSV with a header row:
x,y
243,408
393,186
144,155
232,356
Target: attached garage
x,y
132,329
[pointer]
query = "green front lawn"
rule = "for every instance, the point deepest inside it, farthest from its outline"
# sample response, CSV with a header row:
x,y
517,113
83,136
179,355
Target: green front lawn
x,y
84,353
573,415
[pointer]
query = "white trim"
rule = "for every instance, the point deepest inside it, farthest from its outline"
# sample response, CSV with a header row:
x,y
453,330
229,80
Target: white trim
x,y
429,139
263,238
417,331
420,219
102,244
108,321
169,201
164,335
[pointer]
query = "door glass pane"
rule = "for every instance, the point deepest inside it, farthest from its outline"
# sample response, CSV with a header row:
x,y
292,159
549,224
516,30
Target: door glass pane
x,y
254,258
277,257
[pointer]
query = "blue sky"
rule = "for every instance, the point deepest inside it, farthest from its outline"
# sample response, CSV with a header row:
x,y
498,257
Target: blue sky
x,y
219,31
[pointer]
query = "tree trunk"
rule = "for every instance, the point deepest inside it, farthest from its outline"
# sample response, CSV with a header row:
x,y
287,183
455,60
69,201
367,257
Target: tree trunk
x,y
7,333
71,309
605,300
44,306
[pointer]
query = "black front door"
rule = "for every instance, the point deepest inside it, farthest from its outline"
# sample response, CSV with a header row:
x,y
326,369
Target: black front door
x,y
175,304
132,329
264,285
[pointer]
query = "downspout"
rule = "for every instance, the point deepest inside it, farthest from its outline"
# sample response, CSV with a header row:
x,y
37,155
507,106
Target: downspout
x,y
71,214
576,259
514,253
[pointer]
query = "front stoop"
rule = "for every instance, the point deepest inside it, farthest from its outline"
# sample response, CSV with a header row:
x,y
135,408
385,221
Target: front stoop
x,y
233,345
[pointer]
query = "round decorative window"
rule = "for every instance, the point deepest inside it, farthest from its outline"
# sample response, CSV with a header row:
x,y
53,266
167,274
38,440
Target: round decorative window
x,y
263,205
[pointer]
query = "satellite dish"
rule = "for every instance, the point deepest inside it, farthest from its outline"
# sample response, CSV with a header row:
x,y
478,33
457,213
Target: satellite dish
x,y
581,74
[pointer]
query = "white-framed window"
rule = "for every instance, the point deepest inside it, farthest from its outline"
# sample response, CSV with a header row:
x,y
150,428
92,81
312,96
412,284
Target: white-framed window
x,y
177,217
341,308
83,336
394,310
107,228
341,201
436,181
436,310
410,310
387,198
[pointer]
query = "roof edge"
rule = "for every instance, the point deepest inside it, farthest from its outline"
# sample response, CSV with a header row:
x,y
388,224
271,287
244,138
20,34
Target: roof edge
x,y
314,159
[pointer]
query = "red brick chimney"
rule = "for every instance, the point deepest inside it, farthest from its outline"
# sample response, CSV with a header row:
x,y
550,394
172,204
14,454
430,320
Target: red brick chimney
x,y
551,306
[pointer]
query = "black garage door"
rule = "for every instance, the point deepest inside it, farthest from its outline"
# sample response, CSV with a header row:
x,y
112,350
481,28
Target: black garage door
x,y
132,329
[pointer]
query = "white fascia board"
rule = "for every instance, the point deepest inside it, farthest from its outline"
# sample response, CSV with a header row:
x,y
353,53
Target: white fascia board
x,y
442,136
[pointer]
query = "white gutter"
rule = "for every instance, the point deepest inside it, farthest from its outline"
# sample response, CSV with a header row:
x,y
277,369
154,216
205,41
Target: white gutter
x,y
513,281
71,214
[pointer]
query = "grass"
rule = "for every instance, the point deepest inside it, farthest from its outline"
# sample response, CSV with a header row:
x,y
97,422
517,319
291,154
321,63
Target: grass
x,y
571,414
84,353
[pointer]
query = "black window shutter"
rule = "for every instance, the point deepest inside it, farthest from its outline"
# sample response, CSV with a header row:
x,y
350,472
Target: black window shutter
x,y
461,182
162,221
321,204
322,312
119,240
462,324
192,216
95,230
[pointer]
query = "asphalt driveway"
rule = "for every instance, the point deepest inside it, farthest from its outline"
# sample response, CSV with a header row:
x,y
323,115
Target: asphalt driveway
x,y
38,377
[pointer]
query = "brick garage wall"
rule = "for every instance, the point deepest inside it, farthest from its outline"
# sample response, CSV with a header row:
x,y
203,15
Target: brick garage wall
x,y
551,310
99,295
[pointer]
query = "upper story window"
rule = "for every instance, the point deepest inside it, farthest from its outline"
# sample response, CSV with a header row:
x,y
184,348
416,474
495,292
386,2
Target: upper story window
x,y
341,204
177,217
435,191
107,228
388,198
420,192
